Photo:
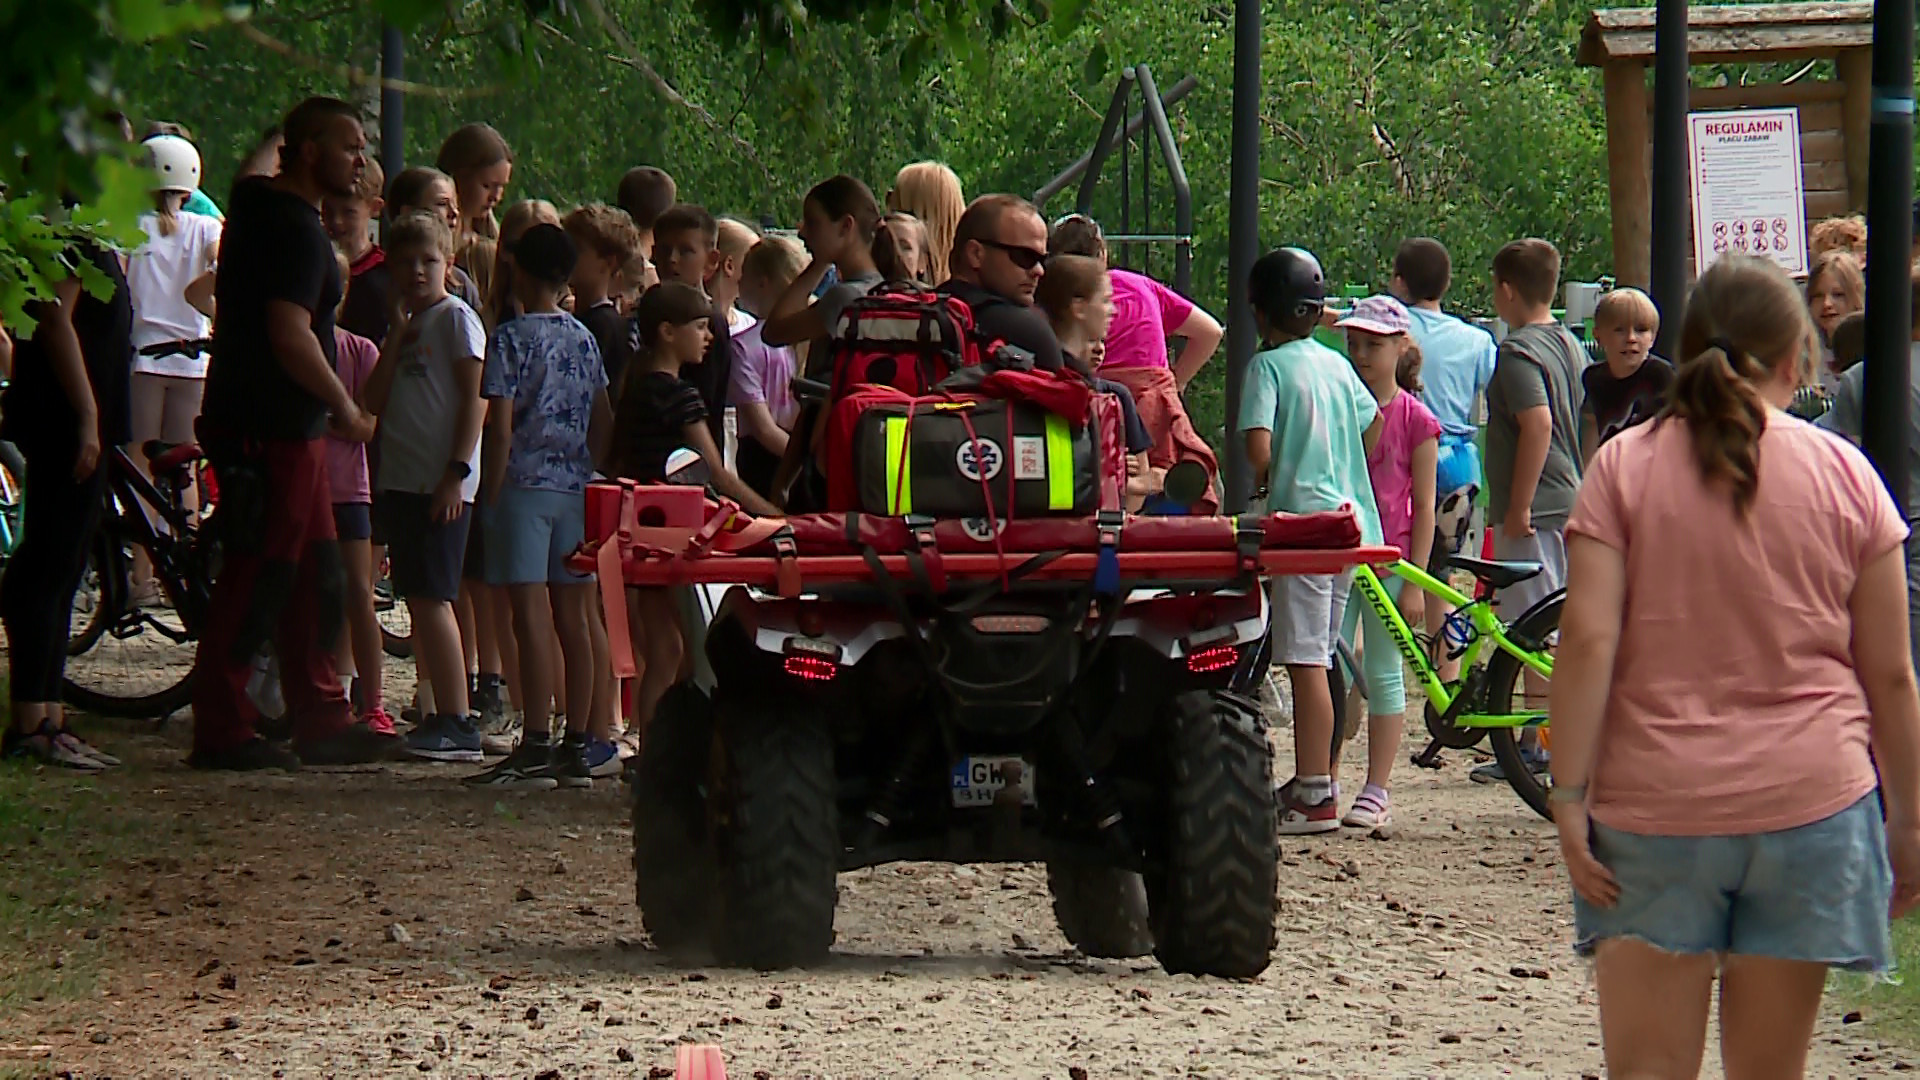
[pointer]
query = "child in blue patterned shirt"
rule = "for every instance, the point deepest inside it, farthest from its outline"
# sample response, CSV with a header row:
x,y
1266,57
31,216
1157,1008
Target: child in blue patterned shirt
x,y
548,420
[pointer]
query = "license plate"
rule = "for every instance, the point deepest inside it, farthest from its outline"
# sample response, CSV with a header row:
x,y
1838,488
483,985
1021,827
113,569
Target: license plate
x,y
977,779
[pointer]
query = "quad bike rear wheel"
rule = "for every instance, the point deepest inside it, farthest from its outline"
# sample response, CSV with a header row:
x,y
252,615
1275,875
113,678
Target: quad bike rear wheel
x,y
778,837
673,862
1102,910
1211,889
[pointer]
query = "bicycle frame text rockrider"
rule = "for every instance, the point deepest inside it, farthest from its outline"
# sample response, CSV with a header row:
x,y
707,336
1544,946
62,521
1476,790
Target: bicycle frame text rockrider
x,y
1489,701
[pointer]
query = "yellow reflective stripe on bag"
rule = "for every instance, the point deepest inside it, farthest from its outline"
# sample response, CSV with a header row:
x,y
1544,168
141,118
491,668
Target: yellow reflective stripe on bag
x,y
1059,463
899,467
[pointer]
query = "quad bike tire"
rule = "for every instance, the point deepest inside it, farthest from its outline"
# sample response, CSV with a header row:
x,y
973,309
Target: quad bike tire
x,y
1212,889
673,860
778,838
1102,910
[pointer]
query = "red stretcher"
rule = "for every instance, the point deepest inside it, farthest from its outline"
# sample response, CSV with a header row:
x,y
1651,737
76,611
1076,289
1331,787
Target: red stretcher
x,y
663,535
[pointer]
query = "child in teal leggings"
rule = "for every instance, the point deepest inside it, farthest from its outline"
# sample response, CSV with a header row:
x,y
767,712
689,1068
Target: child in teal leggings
x,y
1401,464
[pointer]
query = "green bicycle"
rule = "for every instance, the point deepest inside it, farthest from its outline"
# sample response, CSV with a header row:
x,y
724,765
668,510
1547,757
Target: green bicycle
x,y
1491,700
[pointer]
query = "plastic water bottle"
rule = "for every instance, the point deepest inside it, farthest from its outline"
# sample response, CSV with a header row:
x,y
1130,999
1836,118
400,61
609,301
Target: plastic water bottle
x,y
1458,630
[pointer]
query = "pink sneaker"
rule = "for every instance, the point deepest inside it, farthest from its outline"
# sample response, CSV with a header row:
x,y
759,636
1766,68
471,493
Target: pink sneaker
x,y
1301,818
378,721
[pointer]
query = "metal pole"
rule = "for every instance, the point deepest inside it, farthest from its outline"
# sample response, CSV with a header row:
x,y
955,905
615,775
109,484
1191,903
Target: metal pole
x,y
1243,236
393,123
1067,176
1103,146
1890,247
1670,187
1156,111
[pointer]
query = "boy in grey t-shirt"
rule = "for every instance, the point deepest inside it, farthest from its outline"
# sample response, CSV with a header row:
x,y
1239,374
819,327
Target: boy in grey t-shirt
x,y
1533,440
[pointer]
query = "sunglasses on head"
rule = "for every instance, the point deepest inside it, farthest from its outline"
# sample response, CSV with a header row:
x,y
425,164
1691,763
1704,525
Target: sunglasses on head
x,y
1025,258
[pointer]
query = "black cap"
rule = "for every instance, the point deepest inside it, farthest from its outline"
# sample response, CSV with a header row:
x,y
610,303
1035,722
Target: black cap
x,y
545,252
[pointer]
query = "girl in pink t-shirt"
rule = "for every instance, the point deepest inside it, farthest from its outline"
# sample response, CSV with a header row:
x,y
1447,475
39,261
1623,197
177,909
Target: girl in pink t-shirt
x,y
1401,465
1733,667
357,657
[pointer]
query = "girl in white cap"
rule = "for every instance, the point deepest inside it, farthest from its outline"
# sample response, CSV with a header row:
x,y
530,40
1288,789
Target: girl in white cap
x,y
170,279
1401,465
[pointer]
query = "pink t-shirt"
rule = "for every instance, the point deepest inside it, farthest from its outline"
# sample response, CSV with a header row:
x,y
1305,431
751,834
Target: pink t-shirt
x,y
1734,708
1144,313
353,360
1405,424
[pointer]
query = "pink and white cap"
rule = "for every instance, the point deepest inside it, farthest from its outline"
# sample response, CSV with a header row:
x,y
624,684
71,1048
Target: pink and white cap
x,y
1378,315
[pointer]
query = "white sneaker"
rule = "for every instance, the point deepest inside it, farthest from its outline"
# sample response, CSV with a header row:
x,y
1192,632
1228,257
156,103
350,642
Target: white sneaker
x,y
1369,812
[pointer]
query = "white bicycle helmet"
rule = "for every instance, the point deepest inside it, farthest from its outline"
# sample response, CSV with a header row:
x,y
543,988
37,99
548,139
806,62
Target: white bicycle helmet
x,y
176,164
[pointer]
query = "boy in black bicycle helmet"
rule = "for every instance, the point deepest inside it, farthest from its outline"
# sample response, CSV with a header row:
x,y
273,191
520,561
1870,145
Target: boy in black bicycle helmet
x,y
1309,422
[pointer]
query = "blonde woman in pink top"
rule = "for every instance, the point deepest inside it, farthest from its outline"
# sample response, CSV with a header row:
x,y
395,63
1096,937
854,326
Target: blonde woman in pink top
x,y
1734,643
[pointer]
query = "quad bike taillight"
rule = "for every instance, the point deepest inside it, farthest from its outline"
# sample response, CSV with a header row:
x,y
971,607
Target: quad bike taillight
x,y
811,660
1212,658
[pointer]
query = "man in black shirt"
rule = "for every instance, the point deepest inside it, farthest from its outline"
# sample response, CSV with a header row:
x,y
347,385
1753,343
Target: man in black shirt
x,y
271,394
999,252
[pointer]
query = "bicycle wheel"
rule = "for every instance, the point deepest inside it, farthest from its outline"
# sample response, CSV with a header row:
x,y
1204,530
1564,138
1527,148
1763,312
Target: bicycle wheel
x,y
1507,692
1348,686
396,625
140,667
13,497
92,604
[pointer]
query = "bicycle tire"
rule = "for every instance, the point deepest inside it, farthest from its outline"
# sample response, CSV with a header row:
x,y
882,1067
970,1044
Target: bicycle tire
x,y
1504,675
1343,677
107,695
98,585
13,497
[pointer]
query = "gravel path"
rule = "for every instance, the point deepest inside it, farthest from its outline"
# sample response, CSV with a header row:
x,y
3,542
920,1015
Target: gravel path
x,y
382,921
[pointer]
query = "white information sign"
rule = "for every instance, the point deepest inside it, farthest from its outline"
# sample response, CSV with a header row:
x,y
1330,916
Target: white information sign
x,y
1747,191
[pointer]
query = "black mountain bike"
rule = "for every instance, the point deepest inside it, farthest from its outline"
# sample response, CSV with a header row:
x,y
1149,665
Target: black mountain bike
x,y
132,651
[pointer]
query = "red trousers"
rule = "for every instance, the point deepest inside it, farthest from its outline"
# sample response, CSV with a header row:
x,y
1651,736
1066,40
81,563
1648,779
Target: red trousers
x,y
281,581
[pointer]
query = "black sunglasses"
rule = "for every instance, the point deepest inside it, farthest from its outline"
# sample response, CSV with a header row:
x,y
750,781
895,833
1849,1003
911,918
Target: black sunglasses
x,y
1025,258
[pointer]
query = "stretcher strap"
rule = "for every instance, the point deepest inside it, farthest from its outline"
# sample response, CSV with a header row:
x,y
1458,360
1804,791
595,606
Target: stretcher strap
x,y
613,601
1106,576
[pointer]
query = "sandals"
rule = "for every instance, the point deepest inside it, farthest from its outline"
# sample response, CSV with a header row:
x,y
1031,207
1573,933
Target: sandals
x,y
52,745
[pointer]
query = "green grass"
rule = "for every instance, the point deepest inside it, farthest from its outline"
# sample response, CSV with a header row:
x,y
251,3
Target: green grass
x,y
56,832
1893,1007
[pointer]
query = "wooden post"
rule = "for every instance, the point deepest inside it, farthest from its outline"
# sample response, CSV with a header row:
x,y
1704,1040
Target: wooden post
x,y
1855,68
1629,172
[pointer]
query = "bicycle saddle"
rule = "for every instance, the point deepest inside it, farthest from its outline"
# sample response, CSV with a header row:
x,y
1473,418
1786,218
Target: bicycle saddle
x,y
1496,574
166,456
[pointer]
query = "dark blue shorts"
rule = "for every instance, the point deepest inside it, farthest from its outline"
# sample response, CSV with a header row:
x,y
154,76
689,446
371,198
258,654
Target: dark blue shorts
x,y
353,521
424,555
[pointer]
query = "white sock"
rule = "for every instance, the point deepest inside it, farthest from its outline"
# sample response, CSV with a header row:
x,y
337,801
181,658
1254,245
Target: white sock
x,y
1315,789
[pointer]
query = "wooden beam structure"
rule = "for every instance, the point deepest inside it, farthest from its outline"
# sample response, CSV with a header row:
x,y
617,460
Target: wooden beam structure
x,y
1835,114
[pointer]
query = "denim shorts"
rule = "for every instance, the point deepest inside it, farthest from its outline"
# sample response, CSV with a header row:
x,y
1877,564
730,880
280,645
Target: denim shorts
x,y
531,533
1817,893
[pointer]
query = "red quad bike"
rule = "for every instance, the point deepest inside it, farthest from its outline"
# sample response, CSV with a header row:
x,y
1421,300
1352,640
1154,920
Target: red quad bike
x,y
1077,691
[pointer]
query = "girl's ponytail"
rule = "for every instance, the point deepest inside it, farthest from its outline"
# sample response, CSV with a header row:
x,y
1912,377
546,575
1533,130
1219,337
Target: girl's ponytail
x,y
1406,373
1744,321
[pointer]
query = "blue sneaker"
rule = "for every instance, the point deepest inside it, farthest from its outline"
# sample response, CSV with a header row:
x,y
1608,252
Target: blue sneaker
x,y
445,738
1491,773
603,758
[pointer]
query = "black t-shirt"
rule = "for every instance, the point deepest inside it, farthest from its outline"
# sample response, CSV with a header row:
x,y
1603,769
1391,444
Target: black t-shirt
x,y
1618,404
35,411
274,248
995,318
369,298
714,373
614,333
655,409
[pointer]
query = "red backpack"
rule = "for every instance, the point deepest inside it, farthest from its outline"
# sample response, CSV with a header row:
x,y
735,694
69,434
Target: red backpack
x,y
903,336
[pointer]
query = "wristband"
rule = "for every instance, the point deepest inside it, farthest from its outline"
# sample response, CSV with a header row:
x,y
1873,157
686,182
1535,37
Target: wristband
x,y
1568,794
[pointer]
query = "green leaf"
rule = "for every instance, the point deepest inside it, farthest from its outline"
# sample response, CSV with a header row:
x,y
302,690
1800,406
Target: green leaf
x,y
913,56
407,14
1095,69
1065,16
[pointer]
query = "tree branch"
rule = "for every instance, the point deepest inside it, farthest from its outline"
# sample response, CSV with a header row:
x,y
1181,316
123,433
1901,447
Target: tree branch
x,y
354,75
639,63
